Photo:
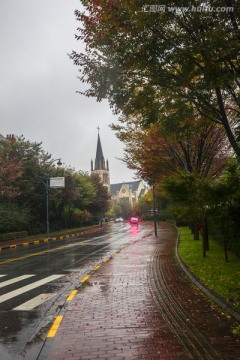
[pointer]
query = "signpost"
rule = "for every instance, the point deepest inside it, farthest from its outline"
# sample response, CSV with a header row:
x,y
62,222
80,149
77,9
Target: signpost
x,y
54,182
57,182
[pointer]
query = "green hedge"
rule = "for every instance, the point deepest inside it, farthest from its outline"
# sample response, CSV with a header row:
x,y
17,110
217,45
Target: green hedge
x,y
13,235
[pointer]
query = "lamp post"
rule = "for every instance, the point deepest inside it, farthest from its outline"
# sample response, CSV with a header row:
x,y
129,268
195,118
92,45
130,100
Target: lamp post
x,y
46,184
154,209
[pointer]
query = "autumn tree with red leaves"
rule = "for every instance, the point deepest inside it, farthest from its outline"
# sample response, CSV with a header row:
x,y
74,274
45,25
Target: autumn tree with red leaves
x,y
156,152
11,168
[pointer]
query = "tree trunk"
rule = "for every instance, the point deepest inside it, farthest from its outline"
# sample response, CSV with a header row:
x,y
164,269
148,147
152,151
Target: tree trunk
x,y
224,232
225,122
225,250
196,231
205,237
194,227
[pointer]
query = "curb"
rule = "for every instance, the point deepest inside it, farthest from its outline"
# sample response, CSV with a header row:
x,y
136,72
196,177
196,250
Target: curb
x,y
210,293
45,240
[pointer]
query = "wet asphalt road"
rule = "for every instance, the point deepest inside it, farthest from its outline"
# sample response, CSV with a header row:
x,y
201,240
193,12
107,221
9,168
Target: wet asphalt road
x,y
48,270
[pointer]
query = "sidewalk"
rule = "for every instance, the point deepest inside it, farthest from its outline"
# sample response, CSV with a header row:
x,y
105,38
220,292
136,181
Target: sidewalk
x,y
140,305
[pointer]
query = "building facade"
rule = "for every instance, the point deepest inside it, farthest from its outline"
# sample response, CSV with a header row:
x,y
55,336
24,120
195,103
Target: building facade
x,y
127,192
9,137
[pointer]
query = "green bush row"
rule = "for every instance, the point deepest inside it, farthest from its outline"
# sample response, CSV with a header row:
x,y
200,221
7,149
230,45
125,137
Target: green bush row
x,y
13,235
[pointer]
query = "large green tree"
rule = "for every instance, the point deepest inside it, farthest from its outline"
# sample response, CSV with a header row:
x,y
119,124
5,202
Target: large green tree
x,y
25,169
190,194
78,194
101,201
21,165
156,63
224,197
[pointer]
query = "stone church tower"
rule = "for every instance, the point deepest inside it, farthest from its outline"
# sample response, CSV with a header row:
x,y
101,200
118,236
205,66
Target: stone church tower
x,y
101,166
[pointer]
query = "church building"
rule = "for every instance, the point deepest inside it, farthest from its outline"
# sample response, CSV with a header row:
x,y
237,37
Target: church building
x,y
122,193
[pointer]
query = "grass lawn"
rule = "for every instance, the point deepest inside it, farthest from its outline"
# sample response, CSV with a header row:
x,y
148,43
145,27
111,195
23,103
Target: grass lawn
x,y
223,278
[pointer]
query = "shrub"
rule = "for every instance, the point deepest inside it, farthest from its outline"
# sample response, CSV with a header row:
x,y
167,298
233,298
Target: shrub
x,y
13,235
13,217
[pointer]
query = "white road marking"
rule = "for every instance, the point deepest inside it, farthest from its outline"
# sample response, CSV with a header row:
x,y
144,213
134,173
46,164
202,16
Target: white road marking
x,y
29,287
14,280
31,304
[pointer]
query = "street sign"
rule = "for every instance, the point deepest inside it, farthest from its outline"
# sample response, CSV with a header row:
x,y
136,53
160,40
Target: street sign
x,y
57,182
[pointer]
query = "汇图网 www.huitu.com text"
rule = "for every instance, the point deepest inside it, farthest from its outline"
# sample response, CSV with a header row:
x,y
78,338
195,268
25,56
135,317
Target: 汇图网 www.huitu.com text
x,y
184,9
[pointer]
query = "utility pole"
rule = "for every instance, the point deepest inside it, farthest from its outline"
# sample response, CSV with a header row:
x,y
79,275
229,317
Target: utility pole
x,y
155,211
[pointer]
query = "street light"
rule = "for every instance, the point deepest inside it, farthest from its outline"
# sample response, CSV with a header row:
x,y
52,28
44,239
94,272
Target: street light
x,y
46,184
154,209
59,163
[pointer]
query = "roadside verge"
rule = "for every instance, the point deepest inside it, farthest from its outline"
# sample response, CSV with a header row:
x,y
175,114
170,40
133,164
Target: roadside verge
x,y
209,292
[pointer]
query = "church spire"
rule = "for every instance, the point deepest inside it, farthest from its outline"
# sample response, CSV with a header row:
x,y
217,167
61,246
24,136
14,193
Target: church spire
x,y
101,167
99,160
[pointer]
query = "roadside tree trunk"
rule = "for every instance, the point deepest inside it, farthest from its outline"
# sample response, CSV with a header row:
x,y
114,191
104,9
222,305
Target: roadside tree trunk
x,y
205,237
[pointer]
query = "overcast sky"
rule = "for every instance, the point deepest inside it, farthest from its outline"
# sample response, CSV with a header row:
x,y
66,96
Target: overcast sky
x,y
38,84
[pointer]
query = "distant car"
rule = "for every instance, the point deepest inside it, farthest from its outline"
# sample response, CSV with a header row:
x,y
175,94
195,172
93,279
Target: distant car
x,y
134,220
120,219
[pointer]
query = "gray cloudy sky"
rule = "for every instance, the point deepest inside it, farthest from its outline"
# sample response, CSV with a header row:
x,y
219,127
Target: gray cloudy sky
x,y
38,84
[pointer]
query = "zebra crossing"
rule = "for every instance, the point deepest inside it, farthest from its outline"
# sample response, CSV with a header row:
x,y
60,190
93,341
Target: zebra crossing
x,y
14,280
33,302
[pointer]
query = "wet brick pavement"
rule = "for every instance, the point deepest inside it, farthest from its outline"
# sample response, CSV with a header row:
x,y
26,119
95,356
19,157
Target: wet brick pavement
x,y
140,305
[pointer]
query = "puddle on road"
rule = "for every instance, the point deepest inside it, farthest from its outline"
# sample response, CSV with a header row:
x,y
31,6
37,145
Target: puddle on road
x,y
5,354
16,328
101,285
